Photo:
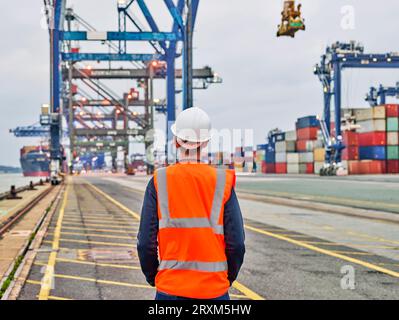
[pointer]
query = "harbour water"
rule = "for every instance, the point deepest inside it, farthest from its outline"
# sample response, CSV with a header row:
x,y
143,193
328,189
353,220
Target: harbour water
x,y
17,179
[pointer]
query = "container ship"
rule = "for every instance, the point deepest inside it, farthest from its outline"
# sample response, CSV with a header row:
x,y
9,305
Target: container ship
x,y
35,161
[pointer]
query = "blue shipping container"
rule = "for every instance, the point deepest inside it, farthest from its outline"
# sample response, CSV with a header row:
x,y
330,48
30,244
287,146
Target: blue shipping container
x,y
305,122
261,147
372,153
270,157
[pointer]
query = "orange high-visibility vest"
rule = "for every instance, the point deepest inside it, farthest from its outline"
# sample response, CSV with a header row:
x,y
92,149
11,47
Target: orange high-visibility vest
x,y
191,199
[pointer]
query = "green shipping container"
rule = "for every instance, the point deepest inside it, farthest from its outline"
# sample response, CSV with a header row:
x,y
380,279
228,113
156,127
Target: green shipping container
x,y
392,124
393,152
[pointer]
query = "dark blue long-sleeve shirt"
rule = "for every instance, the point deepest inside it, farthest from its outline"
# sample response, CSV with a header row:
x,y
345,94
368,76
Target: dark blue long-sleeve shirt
x,y
147,244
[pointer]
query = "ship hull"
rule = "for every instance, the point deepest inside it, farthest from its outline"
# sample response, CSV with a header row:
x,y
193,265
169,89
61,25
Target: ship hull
x,y
35,162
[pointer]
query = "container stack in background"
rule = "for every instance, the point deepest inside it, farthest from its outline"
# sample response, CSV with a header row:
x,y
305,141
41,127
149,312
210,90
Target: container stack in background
x,y
392,113
260,158
285,146
372,140
371,148
350,155
307,141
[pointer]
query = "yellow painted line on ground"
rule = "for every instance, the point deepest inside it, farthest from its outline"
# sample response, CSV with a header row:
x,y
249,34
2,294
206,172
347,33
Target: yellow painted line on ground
x,y
47,280
115,283
84,220
58,298
117,203
33,282
108,265
239,296
248,292
96,242
374,238
101,230
96,225
352,245
93,235
326,252
354,253
88,217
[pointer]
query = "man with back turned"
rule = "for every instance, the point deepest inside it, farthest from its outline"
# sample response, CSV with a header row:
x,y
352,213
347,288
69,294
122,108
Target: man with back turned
x,y
191,213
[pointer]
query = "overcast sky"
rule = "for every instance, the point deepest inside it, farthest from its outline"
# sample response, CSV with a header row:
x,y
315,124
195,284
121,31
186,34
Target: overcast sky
x,y
268,82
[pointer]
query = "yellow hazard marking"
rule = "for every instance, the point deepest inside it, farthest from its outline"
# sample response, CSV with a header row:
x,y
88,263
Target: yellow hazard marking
x,y
325,251
100,230
47,280
116,244
248,292
115,283
117,203
94,235
33,282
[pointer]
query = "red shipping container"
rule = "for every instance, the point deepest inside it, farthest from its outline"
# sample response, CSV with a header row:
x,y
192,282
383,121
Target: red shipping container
x,y
281,167
376,138
309,133
350,153
392,110
350,138
301,145
332,127
310,168
270,168
354,167
393,166
263,166
74,50
373,166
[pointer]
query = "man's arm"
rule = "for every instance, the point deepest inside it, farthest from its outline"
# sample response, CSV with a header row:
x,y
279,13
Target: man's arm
x,y
147,238
234,236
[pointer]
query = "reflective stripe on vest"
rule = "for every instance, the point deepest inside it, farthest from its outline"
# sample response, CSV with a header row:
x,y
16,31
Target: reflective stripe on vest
x,y
193,265
167,222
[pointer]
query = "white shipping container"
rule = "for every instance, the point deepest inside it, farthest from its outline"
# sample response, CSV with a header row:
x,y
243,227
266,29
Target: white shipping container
x,y
293,158
285,146
371,125
281,157
292,167
290,135
370,113
305,157
393,138
363,114
379,112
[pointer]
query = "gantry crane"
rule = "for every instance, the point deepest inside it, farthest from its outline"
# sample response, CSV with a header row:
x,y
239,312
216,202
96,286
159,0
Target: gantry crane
x,y
378,96
338,57
291,19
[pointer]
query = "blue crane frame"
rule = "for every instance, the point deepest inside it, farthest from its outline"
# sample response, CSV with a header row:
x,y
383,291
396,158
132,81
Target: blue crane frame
x,y
381,93
338,57
57,35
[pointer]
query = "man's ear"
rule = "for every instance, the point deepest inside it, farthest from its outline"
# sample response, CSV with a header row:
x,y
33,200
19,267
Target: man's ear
x,y
176,143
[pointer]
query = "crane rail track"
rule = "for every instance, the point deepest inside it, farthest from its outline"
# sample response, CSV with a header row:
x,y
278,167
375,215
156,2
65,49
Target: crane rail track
x,y
20,213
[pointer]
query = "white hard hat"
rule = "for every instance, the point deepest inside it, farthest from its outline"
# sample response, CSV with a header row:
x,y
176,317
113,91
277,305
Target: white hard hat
x,y
192,127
